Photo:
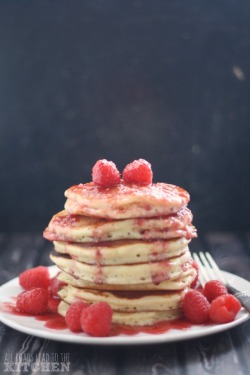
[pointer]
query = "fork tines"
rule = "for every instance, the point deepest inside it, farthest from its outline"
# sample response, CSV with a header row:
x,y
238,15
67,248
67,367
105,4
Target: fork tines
x,y
208,269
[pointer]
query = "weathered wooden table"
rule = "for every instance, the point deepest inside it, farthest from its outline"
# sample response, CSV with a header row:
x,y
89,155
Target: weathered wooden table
x,y
224,353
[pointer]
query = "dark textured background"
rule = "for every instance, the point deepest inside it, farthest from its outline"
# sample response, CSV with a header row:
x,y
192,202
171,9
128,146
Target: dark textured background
x,y
167,81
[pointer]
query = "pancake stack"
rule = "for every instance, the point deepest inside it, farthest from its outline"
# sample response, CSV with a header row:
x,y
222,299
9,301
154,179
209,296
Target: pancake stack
x,y
126,245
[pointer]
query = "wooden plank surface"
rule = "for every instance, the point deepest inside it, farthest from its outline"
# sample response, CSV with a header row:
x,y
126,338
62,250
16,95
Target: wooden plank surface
x,y
224,353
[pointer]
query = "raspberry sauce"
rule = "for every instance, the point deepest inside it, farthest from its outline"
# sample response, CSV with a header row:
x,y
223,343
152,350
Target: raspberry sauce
x,y
66,220
162,327
99,277
52,320
57,322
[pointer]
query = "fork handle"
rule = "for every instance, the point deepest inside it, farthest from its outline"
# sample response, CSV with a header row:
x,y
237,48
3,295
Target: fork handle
x,y
242,297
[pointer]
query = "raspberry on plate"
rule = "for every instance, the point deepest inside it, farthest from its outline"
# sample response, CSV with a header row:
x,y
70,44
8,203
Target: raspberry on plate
x,y
195,307
105,173
138,172
34,301
213,289
54,286
53,304
73,314
224,309
96,319
37,277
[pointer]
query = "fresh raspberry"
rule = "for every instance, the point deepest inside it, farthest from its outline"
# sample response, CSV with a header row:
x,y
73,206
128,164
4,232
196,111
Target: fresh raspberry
x,y
73,314
224,309
96,319
138,172
195,281
195,307
54,286
37,277
34,301
105,173
53,304
214,289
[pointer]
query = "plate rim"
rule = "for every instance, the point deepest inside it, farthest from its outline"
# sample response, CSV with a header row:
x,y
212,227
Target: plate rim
x,y
140,338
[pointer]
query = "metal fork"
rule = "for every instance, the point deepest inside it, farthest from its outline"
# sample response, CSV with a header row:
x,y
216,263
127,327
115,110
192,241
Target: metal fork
x,y
209,270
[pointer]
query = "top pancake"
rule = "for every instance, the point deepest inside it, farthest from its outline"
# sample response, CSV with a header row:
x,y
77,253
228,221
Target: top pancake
x,y
125,201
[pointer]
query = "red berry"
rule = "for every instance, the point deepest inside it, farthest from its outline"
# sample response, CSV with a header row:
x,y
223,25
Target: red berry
x,y
34,301
96,319
73,315
138,172
195,307
224,309
214,289
53,304
105,173
37,277
54,286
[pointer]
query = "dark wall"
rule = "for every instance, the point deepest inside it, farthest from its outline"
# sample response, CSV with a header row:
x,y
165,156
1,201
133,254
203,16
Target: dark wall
x,y
167,81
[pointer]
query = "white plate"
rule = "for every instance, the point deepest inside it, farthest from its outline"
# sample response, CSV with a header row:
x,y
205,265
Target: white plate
x,y
30,325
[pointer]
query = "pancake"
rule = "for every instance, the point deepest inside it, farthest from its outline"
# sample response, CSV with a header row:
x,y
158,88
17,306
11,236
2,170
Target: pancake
x,y
77,228
142,318
129,301
153,272
122,252
125,201
181,282
126,245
